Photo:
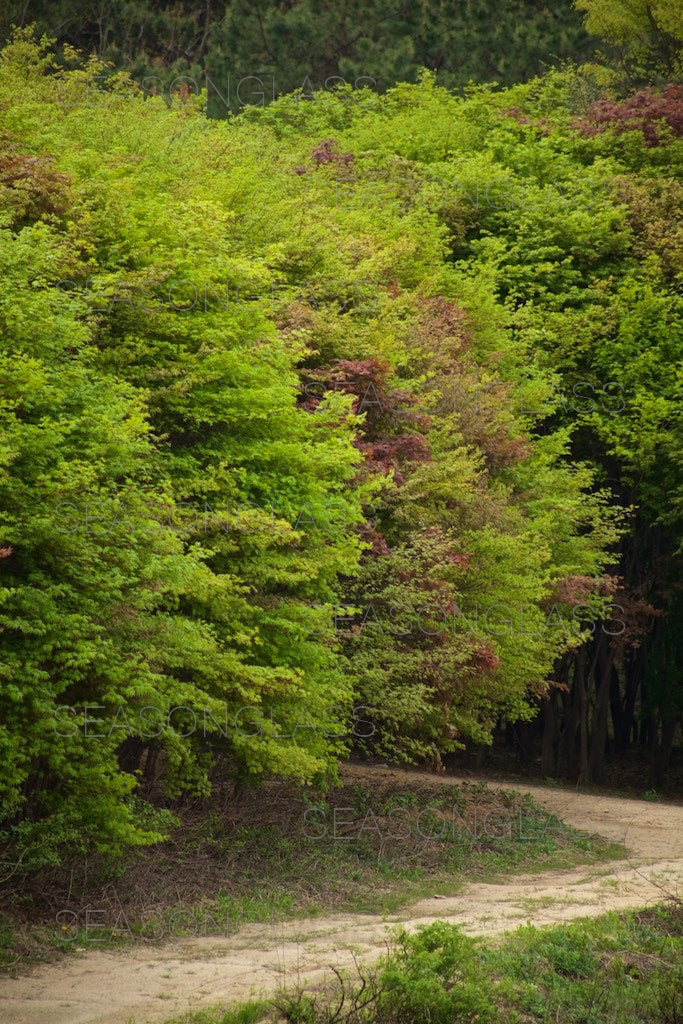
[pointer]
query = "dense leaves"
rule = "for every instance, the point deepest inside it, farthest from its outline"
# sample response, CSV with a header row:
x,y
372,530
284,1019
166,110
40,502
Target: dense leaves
x,y
648,32
646,111
250,52
368,399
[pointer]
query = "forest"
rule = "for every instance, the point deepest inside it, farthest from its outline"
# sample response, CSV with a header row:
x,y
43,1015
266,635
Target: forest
x,y
340,392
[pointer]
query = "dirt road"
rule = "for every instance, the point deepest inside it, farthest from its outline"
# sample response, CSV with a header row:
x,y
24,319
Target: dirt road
x,y
148,985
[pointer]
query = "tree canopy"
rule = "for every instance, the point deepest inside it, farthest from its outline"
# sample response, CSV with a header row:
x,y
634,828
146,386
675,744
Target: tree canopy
x,y
353,402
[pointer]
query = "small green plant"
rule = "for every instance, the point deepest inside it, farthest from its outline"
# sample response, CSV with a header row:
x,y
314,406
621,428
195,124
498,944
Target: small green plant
x,y
249,1013
669,997
298,1008
401,799
432,977
362,798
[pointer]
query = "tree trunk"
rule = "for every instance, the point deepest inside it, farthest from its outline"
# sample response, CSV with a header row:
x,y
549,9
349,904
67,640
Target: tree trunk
x,y
603,682
567,764
550,733
662,742
582,703
617,711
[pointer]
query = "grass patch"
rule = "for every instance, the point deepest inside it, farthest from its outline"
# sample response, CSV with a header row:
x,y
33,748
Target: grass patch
x,y
248,1013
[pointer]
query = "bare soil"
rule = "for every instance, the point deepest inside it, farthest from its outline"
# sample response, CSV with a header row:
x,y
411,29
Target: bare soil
x,y
149,985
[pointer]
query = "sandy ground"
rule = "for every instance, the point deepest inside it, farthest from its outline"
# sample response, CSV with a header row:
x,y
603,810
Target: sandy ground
x,y
150,984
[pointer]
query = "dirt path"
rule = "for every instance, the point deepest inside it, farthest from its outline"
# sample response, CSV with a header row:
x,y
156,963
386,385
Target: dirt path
x,y
147,985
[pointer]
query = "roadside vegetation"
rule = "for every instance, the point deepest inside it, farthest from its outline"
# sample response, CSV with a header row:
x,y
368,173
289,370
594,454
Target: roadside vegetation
x,y
615,969
366,848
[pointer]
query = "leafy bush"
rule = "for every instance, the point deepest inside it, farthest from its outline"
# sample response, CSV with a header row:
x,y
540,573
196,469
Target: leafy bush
x,y
430,978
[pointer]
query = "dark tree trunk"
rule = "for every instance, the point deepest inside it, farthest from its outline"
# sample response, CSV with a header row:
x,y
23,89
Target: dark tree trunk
x,y
602,675
617,711
662,742
550,735
582,701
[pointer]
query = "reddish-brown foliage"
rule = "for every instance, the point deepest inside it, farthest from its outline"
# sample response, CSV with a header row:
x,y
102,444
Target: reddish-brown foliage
x,y
392,434
575,590
297,316
30,187
485,659
445,328
327,152
516,114
646,111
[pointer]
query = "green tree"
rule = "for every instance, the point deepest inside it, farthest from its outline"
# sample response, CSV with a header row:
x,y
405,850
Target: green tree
x,y
173,524
409,355
648,32
252,50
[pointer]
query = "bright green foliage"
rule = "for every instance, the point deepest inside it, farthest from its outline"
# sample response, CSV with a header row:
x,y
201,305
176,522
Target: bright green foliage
x,y
464,617
649,31
431,976
444,270
142,446
616,323
617,968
